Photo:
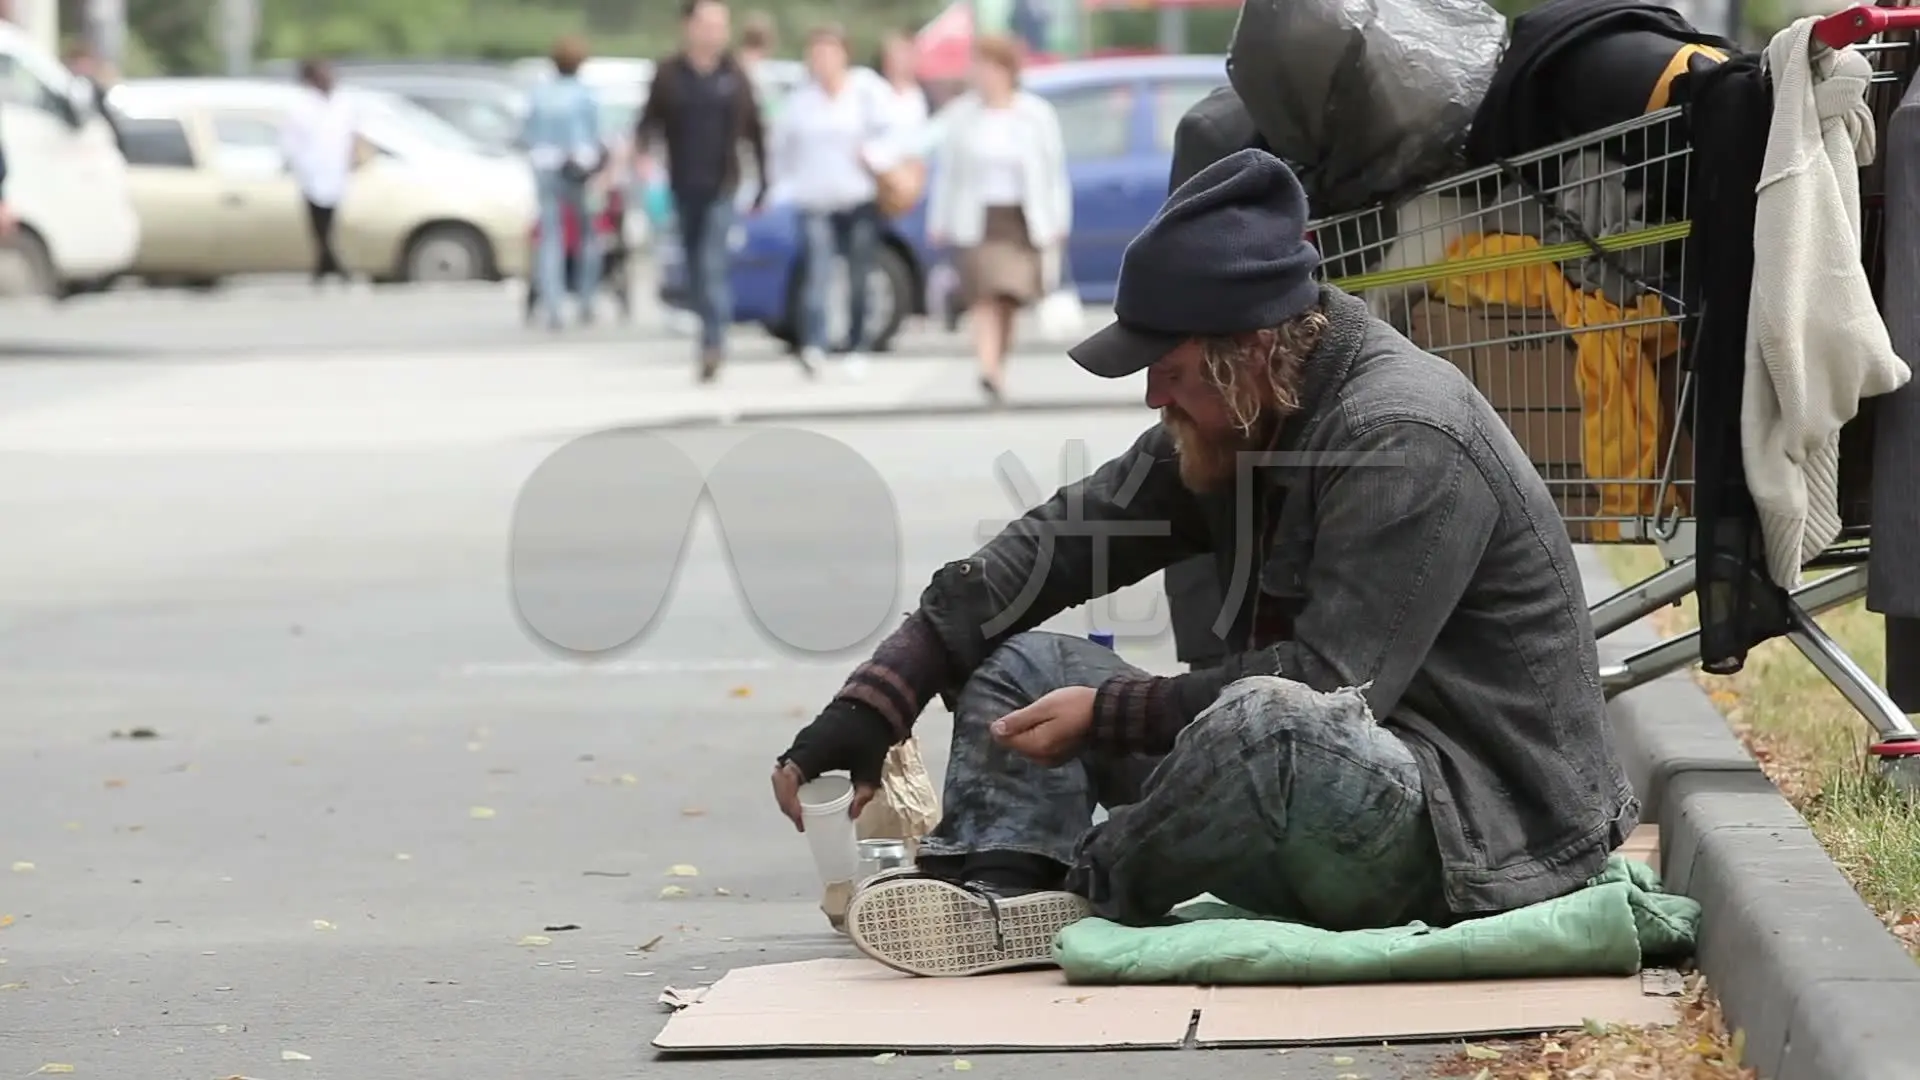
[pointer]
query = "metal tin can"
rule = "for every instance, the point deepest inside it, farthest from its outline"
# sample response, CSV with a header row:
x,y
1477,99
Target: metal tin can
x,y
878,855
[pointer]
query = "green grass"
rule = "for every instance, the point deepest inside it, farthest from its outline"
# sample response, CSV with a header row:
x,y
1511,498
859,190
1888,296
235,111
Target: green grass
x,y
1812,743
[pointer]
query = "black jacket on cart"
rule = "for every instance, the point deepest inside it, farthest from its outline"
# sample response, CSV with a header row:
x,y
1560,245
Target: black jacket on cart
x,y
1577,66
1893,570
1728,114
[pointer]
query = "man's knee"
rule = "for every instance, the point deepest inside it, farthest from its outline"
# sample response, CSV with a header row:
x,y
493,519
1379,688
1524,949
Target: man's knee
x,y
1270,710
1021,670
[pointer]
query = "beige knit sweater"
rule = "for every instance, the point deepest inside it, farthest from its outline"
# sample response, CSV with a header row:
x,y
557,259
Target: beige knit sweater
x,y
1816,345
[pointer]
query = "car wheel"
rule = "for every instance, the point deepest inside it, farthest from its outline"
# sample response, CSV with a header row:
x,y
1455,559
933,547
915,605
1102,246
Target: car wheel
x,y
447,252
889,297
889,302
29,271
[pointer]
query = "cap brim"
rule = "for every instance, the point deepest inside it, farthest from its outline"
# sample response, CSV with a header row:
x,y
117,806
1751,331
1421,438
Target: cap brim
x,y
1119,351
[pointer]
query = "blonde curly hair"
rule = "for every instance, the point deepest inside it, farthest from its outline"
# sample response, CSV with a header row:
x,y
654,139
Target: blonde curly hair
x,y
1254,391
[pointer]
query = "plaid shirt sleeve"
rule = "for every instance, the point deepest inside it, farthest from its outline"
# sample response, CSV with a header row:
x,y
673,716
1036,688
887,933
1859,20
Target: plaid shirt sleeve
x,y
908,669
1142,714
1136,714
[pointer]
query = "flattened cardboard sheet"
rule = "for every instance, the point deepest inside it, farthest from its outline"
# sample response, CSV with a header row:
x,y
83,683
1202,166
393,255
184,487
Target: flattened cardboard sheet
x,y
1280,1015
856,1004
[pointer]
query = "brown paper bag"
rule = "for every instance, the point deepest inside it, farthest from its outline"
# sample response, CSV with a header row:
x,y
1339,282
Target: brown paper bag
x,y
906,807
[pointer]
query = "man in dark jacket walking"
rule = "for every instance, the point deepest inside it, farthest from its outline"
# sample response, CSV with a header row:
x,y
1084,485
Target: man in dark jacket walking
x,y
701,108
1409,725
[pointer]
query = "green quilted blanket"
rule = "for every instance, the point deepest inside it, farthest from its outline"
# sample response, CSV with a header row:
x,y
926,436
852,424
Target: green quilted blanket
x,y
1619,922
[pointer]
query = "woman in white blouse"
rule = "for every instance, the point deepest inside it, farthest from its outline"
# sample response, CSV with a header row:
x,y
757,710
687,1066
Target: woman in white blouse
x,y
896,65
823,144
1000,196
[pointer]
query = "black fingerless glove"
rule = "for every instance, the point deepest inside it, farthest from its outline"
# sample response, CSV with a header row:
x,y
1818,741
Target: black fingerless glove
x,y
846,735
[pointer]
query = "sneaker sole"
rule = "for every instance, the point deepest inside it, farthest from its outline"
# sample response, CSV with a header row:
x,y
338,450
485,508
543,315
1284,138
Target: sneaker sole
x,y
933,929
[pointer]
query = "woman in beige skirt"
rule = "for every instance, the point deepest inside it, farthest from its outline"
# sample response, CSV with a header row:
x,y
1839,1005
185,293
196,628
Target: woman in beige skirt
x,y
1000,198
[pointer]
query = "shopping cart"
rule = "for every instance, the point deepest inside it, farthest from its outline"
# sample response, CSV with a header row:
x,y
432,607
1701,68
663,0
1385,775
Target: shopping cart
x,y
1555,281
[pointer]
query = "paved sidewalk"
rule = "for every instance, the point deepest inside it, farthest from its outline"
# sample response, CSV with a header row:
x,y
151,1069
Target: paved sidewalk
x,y
389,400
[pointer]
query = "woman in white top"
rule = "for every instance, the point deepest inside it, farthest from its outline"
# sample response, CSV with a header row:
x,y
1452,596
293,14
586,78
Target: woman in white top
x,y
319,141
896,65
1000,196
824,143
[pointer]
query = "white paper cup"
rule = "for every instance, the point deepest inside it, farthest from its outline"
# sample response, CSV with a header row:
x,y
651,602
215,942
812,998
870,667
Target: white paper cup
x,y
823,808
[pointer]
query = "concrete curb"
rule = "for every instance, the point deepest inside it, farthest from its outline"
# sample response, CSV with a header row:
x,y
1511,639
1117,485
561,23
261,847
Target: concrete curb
x,y
1799,962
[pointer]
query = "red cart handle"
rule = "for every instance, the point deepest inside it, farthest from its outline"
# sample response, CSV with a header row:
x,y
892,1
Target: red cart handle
x,y
1857,24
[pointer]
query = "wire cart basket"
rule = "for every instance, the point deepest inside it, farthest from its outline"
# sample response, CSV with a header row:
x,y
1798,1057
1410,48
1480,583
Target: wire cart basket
x,y
1554,281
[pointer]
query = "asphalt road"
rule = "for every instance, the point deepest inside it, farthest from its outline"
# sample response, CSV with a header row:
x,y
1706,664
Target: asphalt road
x,y
365,785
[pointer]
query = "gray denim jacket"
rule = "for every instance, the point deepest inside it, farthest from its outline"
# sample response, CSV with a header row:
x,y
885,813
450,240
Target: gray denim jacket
x,y
1420,555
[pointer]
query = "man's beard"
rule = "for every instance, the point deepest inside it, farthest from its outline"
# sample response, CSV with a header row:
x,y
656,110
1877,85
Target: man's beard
x,y
1207,463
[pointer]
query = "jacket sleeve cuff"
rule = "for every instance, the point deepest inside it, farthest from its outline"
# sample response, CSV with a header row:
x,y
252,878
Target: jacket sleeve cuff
x,y
1135,714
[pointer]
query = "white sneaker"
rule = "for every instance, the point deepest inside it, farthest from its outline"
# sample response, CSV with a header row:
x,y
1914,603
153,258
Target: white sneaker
x,y
929,927
810,360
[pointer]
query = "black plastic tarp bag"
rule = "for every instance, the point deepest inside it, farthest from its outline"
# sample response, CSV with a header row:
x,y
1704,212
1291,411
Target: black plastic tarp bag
x,y
1365,97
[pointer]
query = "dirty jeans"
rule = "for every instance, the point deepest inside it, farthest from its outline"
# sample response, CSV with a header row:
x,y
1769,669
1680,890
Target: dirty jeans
x,y
1277,799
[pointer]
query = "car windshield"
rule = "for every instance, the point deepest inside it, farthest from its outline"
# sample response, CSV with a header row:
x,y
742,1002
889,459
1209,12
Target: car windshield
x,y
406,128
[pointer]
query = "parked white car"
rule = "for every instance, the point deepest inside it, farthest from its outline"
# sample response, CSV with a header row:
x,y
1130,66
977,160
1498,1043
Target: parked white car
x,y
66,181
212,186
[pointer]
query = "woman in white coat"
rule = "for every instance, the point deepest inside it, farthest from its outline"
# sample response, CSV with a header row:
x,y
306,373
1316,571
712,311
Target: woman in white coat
x,y
1000,197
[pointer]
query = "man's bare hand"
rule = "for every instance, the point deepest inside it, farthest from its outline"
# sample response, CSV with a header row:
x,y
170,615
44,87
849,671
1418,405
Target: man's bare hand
x,y
1052,730
787,779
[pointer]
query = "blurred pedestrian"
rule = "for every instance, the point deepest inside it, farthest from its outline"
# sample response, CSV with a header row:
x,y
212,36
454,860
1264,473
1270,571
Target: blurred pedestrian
x,y
7,223
320,140
824,148
702,107
561,136
759,40
1000,197
897,63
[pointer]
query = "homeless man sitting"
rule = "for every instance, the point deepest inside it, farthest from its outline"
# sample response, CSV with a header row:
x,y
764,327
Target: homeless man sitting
x,y
1415,729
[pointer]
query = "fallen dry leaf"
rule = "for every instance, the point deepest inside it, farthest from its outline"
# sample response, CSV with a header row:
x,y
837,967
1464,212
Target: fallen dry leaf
x,y
652,945
23,868
6,920
293,1055
672,891
13,986
961,1065
721,892
116,783
54,1067
692,811
536,940
1343,1061
1482,1053
322,924
741,691
480,813
882,1059
683,870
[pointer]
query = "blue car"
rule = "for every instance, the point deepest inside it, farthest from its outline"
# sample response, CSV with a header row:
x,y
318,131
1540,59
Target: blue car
x,y
1117,116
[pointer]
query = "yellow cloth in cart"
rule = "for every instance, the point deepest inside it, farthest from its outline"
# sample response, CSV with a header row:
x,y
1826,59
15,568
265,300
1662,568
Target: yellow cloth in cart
x,y
1623,427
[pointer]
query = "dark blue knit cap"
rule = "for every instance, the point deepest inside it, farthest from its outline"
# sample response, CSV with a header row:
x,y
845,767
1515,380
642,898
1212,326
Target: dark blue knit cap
x,y
1227,254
